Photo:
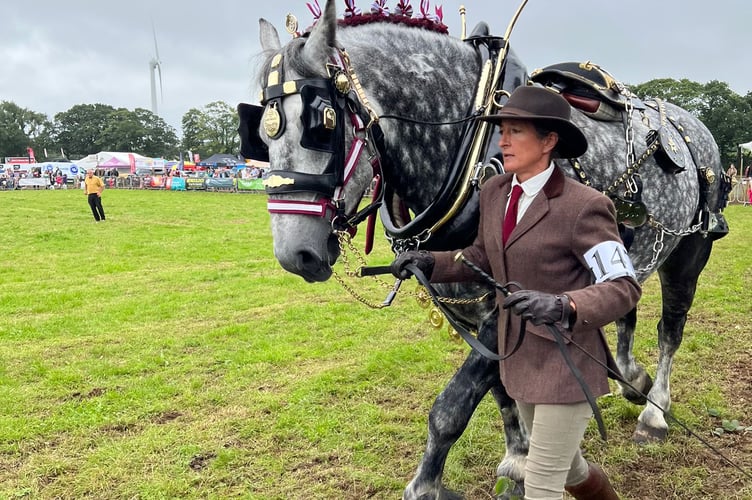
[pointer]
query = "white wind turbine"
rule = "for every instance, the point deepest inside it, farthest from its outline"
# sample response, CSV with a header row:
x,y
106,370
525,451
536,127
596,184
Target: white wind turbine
x,y
155,65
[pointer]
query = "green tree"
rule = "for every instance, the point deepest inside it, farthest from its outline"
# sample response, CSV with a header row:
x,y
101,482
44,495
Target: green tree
x,y
20,128
89,128
79,129
684,93
192,126
211,130
727,115
140,131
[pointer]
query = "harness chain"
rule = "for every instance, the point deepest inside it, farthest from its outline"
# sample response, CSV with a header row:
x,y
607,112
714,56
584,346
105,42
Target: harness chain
x,y
658,244
347,247
627,179
629,182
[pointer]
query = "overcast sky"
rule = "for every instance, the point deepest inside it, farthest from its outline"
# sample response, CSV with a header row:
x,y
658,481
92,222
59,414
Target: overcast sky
x,y
56,54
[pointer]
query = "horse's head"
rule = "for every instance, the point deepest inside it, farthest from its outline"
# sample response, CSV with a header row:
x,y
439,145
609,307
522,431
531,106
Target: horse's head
x,y
406,99
311,128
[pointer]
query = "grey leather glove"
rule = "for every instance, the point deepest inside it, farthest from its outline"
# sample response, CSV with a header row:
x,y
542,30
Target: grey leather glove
x,y
423,259
539,307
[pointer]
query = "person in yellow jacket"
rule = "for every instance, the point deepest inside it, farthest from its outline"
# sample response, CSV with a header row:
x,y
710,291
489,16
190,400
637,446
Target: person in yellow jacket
x,y
93,187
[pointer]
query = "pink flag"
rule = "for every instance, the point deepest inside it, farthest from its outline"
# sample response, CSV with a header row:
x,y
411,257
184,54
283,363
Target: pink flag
x,y
132,161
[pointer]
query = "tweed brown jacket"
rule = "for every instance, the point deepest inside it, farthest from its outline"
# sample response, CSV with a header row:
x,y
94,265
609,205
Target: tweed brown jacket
x,y
545,252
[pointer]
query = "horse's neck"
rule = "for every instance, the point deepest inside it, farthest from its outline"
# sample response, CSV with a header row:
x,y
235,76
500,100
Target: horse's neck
x,y
421,76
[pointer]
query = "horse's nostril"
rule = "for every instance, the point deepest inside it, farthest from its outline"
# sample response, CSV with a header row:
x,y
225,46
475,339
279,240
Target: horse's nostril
x,y
306,260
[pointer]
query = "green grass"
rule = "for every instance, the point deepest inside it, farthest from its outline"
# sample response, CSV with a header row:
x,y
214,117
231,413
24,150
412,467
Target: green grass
x,y
165,354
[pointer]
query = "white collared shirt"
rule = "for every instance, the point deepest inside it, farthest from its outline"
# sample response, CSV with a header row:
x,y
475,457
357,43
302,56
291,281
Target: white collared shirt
x,y
530,189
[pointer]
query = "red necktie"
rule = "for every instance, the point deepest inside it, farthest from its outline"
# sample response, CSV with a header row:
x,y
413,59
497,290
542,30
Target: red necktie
x,y
510,218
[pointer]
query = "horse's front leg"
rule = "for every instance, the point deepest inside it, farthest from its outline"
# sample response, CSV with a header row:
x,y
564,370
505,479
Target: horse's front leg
x,y
450,415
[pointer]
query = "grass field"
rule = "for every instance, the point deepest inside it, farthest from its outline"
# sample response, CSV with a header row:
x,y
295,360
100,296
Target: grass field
x,y
165,354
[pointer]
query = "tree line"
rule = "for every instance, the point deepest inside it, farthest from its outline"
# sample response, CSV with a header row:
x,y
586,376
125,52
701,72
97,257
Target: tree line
x,y
89,128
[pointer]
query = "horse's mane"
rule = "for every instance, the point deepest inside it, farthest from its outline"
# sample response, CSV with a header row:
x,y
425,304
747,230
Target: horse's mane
x,y
292,50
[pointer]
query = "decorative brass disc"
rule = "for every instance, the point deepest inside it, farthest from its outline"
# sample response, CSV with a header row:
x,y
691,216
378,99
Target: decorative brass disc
x,y
422,297
453,334
272,121
291,24
342,83
435,318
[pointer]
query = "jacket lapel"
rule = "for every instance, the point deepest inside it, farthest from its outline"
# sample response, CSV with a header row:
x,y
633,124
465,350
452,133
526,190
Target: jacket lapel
x,y
539,207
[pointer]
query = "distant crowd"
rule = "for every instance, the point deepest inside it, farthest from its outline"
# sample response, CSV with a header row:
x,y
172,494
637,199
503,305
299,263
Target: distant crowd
x,y
57,179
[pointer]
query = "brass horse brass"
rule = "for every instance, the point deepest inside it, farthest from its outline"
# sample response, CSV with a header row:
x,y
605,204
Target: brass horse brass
x,y
274,181
330,118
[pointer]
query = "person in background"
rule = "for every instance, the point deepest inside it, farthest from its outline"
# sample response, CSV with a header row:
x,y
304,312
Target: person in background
x,y
731,172
93,188
559,240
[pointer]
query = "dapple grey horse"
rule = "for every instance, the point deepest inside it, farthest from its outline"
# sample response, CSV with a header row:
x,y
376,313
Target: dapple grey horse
x,y
318,109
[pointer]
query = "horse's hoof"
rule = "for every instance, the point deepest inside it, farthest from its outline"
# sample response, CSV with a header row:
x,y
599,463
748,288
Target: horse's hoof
x,y
645,435
642,383
442,494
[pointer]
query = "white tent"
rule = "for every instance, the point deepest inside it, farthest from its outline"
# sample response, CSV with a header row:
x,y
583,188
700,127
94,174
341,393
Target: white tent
x,y
109,159
747,146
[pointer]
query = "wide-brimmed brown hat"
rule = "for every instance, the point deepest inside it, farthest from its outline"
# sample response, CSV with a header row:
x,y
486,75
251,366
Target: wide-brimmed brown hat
x,y
548,108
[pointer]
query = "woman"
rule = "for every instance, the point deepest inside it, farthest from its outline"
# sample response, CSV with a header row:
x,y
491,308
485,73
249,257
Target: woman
x,y
562,245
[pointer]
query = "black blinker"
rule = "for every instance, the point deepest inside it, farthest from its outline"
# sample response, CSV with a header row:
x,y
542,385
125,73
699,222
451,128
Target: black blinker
x,y
251,145
319,119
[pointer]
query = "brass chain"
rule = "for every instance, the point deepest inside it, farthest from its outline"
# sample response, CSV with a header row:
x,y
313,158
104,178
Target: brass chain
x,y
347,248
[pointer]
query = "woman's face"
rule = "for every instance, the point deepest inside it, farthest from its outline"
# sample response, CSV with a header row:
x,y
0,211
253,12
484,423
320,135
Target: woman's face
x,y
525,153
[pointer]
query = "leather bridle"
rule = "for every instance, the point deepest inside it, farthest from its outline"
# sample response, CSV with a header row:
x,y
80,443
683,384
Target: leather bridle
x,y
329,103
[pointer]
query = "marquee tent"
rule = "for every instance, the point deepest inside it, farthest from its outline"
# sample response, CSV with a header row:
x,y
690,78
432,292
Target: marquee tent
x,y
109,160
221,160
747,146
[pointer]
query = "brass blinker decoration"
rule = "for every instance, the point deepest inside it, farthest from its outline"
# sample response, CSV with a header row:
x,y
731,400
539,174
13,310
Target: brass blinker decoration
x,y
330,118
342,83
272,120
275,181
291,25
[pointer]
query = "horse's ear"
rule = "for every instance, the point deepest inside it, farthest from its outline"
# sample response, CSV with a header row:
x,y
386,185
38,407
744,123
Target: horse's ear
x,y
268,35
323,36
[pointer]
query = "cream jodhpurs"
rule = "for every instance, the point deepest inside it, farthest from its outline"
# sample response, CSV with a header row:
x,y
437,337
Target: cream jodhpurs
x,y
554,459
